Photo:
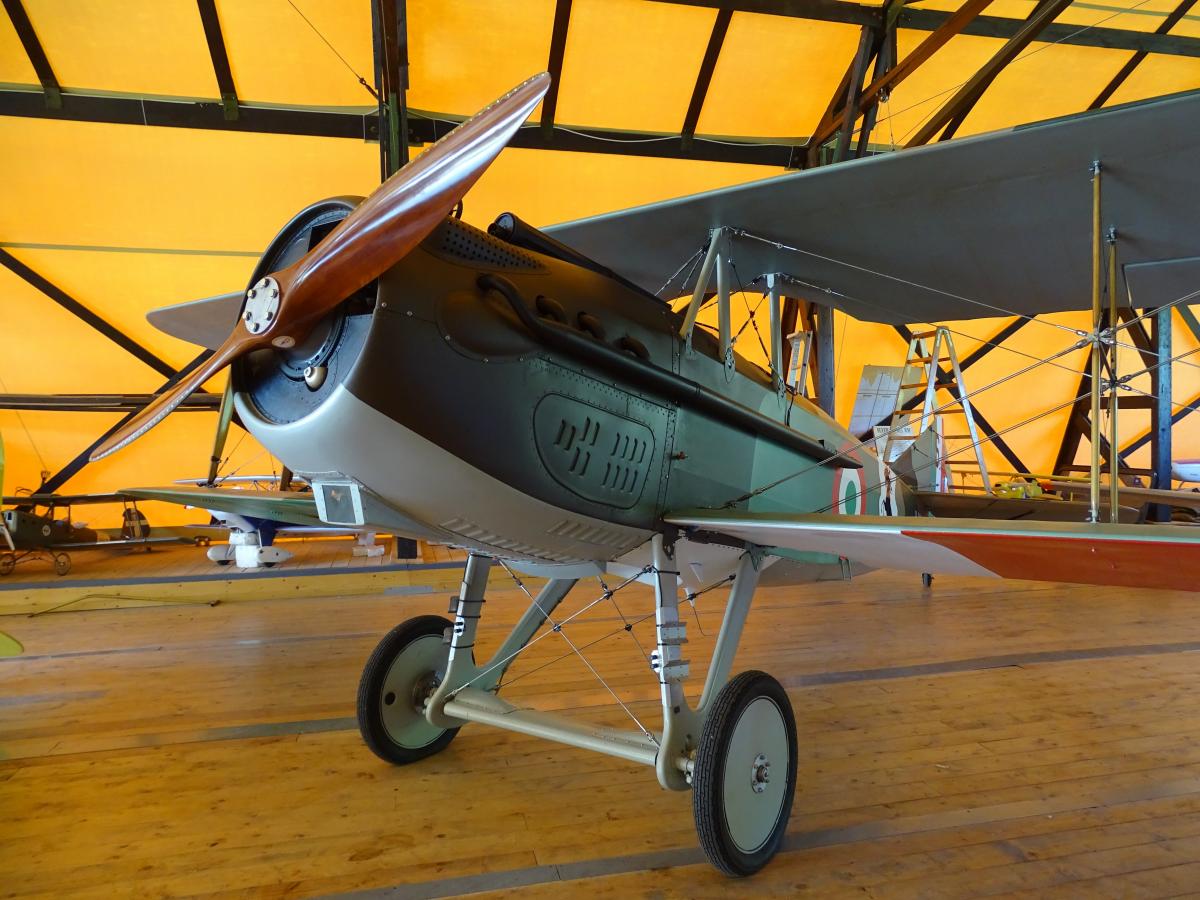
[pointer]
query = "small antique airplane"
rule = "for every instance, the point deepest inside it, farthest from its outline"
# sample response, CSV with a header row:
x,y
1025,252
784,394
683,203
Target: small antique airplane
x,y
505,392
40,527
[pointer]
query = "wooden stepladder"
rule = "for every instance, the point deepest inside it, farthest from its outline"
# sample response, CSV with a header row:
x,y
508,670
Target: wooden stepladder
x,y
797,374
927,350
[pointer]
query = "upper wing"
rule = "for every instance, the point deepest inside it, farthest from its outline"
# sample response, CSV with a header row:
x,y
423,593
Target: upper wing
x,y
279,506
963,229
1141,556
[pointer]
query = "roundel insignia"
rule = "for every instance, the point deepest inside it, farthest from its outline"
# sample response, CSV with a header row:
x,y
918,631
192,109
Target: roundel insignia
x,y
848,491
45,531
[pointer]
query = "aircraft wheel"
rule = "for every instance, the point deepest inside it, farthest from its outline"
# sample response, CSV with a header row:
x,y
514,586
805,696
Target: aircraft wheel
x,y
224,562
744,775
404,669
62,564
8,562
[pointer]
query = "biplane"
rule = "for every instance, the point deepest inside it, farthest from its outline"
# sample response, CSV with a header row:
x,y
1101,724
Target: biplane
x,y
531,396
40,527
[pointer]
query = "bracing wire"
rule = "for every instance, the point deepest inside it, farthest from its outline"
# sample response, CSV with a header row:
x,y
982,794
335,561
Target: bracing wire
x,y
334,50
28,435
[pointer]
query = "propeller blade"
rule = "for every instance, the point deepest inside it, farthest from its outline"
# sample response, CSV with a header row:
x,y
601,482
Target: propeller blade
x,y
282,308
386,226
165,403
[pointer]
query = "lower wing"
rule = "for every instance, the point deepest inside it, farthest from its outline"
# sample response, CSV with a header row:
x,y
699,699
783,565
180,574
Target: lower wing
x,y
1143,556
292,507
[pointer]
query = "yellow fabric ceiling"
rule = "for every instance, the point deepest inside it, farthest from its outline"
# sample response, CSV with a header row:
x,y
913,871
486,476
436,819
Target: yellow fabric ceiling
x,y
127,218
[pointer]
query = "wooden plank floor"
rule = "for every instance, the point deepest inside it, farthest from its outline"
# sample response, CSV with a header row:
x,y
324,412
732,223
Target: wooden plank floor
x,y
978,739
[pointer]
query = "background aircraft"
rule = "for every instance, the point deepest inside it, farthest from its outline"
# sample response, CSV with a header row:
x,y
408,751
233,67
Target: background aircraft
x,y
39,527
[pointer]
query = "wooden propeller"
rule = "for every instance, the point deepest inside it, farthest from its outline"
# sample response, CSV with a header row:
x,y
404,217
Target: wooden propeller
x,y
283,307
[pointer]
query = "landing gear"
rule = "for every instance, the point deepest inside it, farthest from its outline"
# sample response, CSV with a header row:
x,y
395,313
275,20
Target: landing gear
x,y
9,560
744,774
406,667
736,747
246,550
926,580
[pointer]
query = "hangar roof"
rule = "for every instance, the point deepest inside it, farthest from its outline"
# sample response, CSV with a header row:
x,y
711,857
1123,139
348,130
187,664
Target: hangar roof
x,y
125,217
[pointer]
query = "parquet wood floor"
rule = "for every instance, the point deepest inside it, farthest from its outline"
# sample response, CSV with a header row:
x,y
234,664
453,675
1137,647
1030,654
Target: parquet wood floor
x,y
980,738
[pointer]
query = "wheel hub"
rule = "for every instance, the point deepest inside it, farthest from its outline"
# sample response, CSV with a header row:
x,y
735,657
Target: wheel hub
x,y
423,689
760,773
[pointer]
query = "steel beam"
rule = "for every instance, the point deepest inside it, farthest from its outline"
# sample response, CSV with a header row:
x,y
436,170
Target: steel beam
x,y
956,122
220,58
389,20
71,469
1160,415
1138,443
778,152
51,91
1190,320
888,79
955,23
885,59
704,77
558,51
867,45
69,303
817,10
1136,60
916,19
1094,36
965,98
830,119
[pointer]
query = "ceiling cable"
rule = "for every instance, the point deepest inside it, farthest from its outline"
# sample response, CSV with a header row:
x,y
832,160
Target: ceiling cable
x,y
325,40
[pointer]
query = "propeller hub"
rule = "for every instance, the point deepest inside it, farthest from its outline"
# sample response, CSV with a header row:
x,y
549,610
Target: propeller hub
x,y
262,305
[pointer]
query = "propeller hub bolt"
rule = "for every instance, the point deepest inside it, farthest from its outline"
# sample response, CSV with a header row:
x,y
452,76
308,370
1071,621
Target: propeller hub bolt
x,y
262,305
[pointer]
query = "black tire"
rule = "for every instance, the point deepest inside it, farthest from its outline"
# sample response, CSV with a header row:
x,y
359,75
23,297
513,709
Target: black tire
x,y
374,692
713,763
926,580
